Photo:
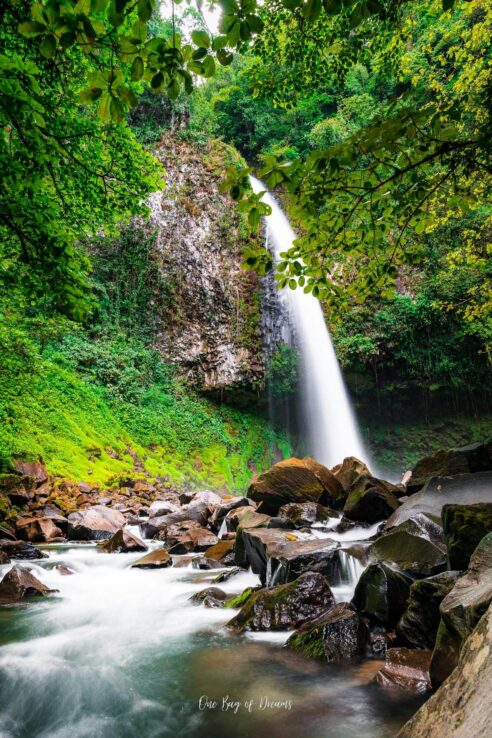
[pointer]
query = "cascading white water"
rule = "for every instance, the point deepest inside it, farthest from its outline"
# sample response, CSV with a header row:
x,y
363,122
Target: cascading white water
x,y
331,424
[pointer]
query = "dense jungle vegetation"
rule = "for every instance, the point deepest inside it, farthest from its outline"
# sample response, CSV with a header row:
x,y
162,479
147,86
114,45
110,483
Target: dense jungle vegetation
x,y
370,117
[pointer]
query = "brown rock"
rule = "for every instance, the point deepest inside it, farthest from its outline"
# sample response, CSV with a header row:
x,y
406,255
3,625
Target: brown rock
x,y
295,480
96,523
34,469
348,471
157,559
220,550
405,670
37,530
18,584
123,541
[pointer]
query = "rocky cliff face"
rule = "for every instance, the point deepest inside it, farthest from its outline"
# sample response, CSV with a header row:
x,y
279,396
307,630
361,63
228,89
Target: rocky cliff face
x,y
213,330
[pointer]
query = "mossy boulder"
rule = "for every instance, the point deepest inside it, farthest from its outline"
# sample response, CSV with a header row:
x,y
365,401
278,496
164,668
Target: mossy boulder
x,y
413,547
295,480
349,470
370,500
381,594
337,635
286,606
461,610
464,527
419,623
476,457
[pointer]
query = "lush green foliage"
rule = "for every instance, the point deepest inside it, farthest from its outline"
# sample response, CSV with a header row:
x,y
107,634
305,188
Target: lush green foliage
x,y
282,371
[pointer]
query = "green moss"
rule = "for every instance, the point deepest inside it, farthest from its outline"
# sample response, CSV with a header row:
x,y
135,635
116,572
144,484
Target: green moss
x,y
309,643
239,601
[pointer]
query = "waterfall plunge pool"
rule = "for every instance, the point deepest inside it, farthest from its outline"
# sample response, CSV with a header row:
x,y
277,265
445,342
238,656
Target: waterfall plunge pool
x,y
122,653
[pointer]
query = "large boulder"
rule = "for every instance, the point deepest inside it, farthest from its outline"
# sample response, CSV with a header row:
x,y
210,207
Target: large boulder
x,y
123,541
306,514
221,551
464,527
405,670
381,594
349,470
461,610
94,524
465,489
477,457
339,634
38,530
416,546
156,559
295,480
461,706
370,500
21,550
286,606
19,584
419,623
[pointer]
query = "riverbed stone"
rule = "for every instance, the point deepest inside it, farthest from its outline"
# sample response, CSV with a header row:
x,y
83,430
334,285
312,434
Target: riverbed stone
x,y
370,500
406,670
419,623
464,527
305,514
96,523
19,584
190,538
4,558
381,594
461,610
461,706
286,606
210,597
220,550
464,489
339,634
295,480
413,546
123,541
159,558
476,457
22,550
349,470
38,530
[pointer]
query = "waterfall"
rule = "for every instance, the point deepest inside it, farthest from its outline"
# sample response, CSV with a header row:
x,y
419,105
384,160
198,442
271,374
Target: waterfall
x,y
331,426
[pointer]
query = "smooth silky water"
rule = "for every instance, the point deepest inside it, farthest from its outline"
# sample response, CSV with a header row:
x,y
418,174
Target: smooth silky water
x,y
122,653
329,418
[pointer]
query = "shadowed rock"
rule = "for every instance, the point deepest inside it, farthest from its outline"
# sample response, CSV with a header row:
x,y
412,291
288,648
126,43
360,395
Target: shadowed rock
x,y
349,470
461,706
370,500
305,514
477,457
95,524
461,610
405,670
381,594
286,606
464,527
337,635
22,550
416,545
38,530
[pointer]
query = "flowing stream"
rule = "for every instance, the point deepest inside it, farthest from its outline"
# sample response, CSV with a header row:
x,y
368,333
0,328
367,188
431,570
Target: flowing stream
x,y
122,653
330,420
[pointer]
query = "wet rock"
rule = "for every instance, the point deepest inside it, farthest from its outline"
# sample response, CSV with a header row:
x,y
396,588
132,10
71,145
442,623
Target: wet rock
x,y
189,539
405,670
349,470
220,550
380,641
163,507
251,518
306,513
464,527
225,575
123,541
226,505
280,524
370,500
64,571
477,457
420,621
201,562
461,706
381,594
7,533
286,606
339,634
295,480
248,521
159,558
4,558
37,530
95,524
465,489
416,546
210,597
461,610
22,550
19,584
